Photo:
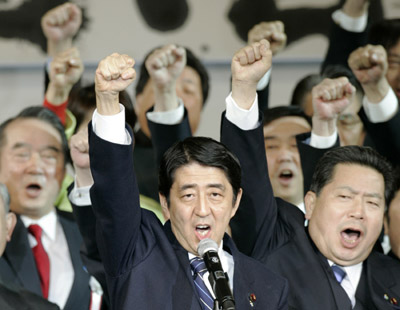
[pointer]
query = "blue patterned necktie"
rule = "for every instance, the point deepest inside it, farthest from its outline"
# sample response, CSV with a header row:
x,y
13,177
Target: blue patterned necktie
x,y
199,269
339,273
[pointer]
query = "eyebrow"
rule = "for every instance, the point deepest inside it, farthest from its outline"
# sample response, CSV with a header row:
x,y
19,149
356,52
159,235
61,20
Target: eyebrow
x,y
353,191
211,185
19,145
276,137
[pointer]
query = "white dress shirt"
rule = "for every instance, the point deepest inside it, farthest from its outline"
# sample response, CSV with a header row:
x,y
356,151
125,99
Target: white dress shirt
x,y
351,280
55,244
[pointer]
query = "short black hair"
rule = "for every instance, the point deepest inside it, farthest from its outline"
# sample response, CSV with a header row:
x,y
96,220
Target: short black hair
x,y
272,114
303,88
201,150
352,155
191,61
385,32
42,114
82,99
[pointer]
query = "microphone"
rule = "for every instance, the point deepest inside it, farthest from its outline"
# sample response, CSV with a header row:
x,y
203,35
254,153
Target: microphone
x,y
208,249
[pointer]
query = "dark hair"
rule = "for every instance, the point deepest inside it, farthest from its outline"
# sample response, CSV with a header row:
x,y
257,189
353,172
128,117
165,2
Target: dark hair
x,y
83,99
336,71
272,114
5,197
303,88
191,61
42,114
352,155
385,32
396,187
201,150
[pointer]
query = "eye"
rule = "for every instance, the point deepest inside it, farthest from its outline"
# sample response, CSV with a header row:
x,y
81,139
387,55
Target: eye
x,y
344,197
271,147
373,203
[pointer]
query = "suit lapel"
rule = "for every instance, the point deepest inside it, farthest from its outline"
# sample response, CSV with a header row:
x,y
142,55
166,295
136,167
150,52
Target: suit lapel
x,y
80,286
19,256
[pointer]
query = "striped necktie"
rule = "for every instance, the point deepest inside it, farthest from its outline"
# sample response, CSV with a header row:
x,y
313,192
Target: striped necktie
x,y
199,269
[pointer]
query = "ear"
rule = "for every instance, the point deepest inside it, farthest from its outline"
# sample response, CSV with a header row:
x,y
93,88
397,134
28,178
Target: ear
x,y
164,206
11,220
309,201
237,202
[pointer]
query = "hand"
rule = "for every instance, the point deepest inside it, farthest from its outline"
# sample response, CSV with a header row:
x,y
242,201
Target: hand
x,y
248,66
369,64
66,69
274,32
79,148
62,22
355,8
330,98
60,25
165,65
113,75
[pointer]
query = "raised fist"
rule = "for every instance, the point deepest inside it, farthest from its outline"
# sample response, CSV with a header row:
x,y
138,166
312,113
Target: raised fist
x,y
273,31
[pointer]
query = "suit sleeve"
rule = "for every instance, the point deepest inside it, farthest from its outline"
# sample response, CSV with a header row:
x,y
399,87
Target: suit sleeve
x,y
255,227
125,233
341,44
164,136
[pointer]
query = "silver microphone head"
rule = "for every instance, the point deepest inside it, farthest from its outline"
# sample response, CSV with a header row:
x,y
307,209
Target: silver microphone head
x,y
206,245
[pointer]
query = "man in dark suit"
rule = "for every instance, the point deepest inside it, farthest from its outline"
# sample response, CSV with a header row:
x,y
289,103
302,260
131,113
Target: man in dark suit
x,y
12,299
43,255
147,265
345,208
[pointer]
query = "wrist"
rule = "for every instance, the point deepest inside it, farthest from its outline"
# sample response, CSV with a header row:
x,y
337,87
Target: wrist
x,y
55,47
323,127
244,93
83,176
57,95
355,10
375,92
107,103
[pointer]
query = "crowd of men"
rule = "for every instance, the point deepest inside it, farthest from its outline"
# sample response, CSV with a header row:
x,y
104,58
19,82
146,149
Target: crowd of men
x,y
105,200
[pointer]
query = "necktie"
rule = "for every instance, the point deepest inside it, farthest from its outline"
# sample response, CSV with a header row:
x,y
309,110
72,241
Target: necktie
x,y
339,273
41,259
199,269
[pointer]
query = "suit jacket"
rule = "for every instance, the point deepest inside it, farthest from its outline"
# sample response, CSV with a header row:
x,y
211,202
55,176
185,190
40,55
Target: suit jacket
x,y
22,300
146,267
18,268
276,232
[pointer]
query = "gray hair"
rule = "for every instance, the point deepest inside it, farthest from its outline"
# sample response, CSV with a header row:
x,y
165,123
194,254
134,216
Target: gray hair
x,y
5,196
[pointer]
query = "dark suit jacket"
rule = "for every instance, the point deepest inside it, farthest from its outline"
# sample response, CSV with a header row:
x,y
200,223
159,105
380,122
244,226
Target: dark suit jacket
x,y
23,300
18,269
278,238
145,265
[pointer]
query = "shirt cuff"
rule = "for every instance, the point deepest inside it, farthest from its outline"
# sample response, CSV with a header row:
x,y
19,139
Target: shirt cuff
x,y
171,117
321,142
244,119
111,127
352,24
264,80
382,111
80,196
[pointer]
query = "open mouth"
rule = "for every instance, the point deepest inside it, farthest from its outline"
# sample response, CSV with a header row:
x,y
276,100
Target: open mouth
x,y
33,190
286,176
203,231
350,236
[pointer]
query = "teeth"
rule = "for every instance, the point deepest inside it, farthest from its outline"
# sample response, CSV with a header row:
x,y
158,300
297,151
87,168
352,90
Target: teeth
x,y
202,227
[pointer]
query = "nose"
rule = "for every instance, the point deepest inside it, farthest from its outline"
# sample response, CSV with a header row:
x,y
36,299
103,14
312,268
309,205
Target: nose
x,y
35,164
202,208
357,210
285,154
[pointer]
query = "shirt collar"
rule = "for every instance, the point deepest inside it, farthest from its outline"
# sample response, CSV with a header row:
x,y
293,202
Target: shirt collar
x,y
48,223
353,272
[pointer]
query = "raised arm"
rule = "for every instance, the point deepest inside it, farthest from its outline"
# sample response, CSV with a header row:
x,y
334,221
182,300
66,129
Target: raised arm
x,y
165,65
380,113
